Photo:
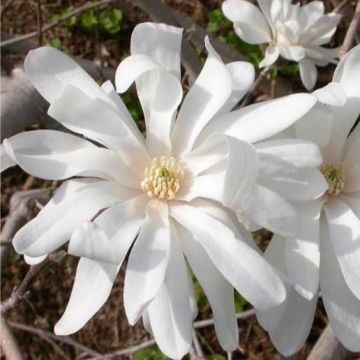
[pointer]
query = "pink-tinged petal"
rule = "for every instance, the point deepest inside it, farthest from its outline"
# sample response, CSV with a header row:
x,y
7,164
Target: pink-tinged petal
x,y
148,261
344,233
92,287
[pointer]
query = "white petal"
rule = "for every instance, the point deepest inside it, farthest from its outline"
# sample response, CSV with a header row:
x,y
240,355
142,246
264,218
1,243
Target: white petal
x,y
347,72
111,234
202,102
53,226
352,178
34,260
51,71
170,312
342,307
108,87
92,287
89,117
353,201
352,148
290,335
308,73
344,232
295,152
324,26
217,289
312,12
263,120
249,22
271,55
302,253
159,92
56,155
242,75
268,209
292,53
160,42
332,94
148,261
251,275
296,184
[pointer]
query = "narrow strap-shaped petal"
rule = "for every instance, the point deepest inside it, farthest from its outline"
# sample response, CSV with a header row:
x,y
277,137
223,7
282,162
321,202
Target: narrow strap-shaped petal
x,y
92,287
148,261
53,226
344,233
263,120
271,55
241,265
342,306
217,289
111,234
202,102
5,160
170,312
308,73
303,252
51,71
87,116
56,155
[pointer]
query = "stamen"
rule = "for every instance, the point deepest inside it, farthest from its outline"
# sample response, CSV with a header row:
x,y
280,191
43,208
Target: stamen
x,y
162,178
334,175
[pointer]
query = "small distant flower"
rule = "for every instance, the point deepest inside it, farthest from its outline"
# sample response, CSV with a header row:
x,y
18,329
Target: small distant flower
x,y
325,256
296,33
161,197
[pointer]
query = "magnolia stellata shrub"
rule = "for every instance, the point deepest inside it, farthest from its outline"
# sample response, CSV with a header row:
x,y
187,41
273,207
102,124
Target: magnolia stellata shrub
x,y
295,32
192,188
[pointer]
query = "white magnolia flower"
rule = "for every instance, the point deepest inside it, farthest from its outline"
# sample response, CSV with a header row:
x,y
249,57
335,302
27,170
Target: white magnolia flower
x,y
296,33
165,191
326,255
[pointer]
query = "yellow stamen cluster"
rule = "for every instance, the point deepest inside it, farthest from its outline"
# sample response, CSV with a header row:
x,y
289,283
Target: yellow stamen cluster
x,y
162,178
334,175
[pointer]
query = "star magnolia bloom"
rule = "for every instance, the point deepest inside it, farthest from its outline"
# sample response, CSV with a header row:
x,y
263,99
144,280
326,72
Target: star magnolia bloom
x,y
165,191
296,33
326,255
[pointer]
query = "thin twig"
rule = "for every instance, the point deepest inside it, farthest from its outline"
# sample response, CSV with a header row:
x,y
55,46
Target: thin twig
x,y
197,346
39,22
64,339
76,12
8,342
351,32
18,294
208,322
254,86
327,347
4,7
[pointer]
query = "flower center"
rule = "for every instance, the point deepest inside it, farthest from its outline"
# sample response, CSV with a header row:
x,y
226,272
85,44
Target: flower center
x,y
162,178
334,175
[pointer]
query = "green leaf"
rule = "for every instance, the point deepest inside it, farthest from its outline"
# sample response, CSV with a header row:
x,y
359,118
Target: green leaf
x,y
88,20
217,357
110,21
150,353
55,43
240,303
